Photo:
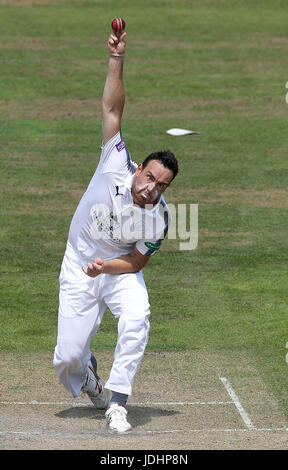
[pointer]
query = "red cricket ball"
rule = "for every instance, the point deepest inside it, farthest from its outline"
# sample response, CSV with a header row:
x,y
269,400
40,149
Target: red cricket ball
x,y
118,24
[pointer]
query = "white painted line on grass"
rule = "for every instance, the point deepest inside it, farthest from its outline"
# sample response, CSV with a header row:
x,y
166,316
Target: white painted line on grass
x,y
93,434
237,403
88,405
181,403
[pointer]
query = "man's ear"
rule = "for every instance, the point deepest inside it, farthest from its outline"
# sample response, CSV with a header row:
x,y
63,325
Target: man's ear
x,y
139,169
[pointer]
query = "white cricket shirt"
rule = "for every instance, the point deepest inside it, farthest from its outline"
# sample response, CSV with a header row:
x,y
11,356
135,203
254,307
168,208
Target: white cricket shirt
x,y
107,224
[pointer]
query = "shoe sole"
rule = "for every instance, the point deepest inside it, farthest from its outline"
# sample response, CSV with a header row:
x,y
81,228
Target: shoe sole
x,y
110,431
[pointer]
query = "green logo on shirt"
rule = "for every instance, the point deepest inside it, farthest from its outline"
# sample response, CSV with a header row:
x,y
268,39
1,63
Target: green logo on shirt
x,y
153,246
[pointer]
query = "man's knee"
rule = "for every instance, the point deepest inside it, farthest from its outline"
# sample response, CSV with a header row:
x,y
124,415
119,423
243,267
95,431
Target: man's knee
x,y
134,328
68,356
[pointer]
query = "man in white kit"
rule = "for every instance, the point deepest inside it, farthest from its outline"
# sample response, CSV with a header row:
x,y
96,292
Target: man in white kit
x,y
118,225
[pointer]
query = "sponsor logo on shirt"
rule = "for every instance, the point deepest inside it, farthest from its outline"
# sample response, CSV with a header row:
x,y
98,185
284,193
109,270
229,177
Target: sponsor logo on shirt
x,y
120,146
117,192
128,224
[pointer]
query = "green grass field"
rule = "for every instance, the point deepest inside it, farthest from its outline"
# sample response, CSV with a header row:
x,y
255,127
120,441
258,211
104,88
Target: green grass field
x,y
218,67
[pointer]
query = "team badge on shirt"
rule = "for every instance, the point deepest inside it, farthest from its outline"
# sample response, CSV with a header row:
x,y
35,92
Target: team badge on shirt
x,y
120,146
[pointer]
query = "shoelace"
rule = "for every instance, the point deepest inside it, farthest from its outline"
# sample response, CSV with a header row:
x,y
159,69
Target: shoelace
x,y
118,414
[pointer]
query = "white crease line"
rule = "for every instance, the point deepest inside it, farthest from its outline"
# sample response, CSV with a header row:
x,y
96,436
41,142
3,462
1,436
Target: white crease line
x,y
209,430
93,434
180,403
237,403
172,403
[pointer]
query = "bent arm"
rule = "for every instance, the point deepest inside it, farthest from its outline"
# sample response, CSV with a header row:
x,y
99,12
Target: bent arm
x,y
131,263
113,98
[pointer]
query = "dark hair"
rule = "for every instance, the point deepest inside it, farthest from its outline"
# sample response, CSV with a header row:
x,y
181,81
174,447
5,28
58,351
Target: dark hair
x,y
167,159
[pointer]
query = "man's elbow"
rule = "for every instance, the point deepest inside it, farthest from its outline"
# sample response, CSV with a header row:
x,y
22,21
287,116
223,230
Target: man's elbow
x,y
112,108
139,263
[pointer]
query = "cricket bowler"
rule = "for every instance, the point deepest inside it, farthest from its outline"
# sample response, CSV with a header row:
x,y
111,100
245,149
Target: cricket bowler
x,y
119,224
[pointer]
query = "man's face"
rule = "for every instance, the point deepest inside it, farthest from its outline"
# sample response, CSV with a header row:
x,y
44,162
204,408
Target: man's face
x,y
149,183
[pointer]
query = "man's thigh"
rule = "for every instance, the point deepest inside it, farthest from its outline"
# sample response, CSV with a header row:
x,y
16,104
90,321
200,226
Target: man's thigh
x,y
80,308
126,295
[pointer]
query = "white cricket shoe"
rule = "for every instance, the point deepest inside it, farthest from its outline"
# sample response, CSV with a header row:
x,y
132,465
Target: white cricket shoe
x,y
94,387
116,419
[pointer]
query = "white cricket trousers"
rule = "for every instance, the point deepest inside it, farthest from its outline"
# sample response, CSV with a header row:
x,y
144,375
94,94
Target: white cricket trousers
x,y
82,303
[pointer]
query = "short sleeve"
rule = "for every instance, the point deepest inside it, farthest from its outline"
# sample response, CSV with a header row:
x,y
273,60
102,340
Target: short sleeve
x,y
148,248
115,157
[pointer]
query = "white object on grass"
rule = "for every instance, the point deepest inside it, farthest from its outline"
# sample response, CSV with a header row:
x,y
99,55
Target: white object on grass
x,y
175,131
237,403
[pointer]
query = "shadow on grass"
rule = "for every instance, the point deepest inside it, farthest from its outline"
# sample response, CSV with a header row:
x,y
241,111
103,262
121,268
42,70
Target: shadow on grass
x,y
138,415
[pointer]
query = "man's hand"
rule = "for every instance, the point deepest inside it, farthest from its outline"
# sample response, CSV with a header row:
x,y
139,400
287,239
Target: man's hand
x,y
95,268
116,43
